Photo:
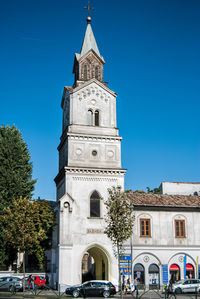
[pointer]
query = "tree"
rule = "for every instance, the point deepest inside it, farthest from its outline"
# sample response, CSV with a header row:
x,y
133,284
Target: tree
x,y
27,225
139,192
15,179
153,191
119,221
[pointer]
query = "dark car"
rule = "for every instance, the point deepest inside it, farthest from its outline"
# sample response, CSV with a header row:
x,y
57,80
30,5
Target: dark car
x,y
92,288
8,282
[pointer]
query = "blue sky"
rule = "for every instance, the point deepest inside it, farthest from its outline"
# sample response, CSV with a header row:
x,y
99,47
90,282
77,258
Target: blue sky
x,y
152,54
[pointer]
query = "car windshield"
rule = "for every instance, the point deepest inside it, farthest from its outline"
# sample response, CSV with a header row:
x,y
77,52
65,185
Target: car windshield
x,y
179,282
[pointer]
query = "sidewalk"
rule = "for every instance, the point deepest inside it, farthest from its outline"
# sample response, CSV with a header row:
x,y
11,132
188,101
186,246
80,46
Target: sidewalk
x,y
51,294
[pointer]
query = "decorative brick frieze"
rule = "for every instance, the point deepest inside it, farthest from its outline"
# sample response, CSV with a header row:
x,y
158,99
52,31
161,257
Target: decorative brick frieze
x,y
94,179
93,138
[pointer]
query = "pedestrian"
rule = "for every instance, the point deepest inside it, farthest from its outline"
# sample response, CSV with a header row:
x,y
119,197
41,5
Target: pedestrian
x,y
46,280
128,287
136,284
123,283
30,282
169,289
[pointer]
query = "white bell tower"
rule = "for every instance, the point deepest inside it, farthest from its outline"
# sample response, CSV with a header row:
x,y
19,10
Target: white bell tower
x,y
89,164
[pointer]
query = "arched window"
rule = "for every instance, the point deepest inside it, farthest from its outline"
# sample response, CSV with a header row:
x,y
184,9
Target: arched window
x,y
90,117
97,72
139,273
154,277
174,271
96,118
95,205
85,72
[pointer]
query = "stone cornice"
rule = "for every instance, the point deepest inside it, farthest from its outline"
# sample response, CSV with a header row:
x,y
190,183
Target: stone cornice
x,y
76,136
96,171
88,171
93,137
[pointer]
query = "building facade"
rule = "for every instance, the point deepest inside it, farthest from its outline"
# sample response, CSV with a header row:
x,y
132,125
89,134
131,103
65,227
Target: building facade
x,y
89,164
181,188
166,236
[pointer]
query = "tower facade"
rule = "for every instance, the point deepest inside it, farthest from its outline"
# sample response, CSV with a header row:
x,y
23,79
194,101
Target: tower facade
x,y
89,164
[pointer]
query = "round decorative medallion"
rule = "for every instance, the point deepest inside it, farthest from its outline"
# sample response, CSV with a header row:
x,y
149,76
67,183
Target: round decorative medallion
x,y
146,259
181,258
94,153
110,154
93,101
78,151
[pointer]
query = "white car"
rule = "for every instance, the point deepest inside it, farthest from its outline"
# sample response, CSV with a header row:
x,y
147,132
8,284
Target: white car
x,y
186,286
7,282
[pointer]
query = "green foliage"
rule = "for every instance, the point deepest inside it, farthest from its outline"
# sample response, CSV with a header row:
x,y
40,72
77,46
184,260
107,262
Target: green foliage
x,y
119,220
153,191
15,166
15,179
139,192
27,225
119,217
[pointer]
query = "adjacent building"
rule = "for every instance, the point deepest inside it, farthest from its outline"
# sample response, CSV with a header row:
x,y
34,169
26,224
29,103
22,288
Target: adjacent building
x,y
181,188
166,238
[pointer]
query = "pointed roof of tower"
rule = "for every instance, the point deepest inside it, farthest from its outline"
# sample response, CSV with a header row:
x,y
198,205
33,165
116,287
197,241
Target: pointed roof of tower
x,y
89,41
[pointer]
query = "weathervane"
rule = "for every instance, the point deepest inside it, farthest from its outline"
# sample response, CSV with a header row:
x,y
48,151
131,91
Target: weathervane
x,y
89,8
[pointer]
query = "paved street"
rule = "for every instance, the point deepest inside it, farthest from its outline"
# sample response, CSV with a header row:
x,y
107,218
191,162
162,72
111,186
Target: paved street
x,y
50,294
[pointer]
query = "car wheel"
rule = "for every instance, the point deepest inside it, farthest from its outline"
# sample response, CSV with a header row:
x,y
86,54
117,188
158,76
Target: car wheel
x,y
178,291
106,294
75,293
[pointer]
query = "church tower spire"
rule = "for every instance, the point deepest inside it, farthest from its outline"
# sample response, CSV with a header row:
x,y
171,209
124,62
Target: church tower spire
x,y
89,165
88,64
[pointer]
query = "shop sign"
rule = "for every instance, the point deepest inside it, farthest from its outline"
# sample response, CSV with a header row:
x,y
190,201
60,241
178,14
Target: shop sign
x,y
165,274
125,264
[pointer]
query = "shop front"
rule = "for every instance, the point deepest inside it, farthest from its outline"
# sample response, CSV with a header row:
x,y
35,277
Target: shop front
x,y
190,271
174,271
154,277
139,273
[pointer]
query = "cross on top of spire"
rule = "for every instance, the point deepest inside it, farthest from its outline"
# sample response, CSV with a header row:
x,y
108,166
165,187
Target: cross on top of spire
x,y
88,7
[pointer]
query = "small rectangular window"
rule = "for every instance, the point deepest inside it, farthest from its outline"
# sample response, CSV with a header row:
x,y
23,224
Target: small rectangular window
x,y
180,228
145,228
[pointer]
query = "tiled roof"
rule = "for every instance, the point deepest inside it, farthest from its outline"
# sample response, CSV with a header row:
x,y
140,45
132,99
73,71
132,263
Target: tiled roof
x,y
164,200
69,88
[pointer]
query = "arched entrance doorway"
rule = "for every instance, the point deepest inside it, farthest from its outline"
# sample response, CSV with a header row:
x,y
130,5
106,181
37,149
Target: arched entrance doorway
x,y
139,273
174,271
154,277
190,271
94,264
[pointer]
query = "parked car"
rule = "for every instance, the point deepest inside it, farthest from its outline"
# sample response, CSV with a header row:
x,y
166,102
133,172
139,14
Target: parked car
x,y
7,282
186,286
92,288
39,281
